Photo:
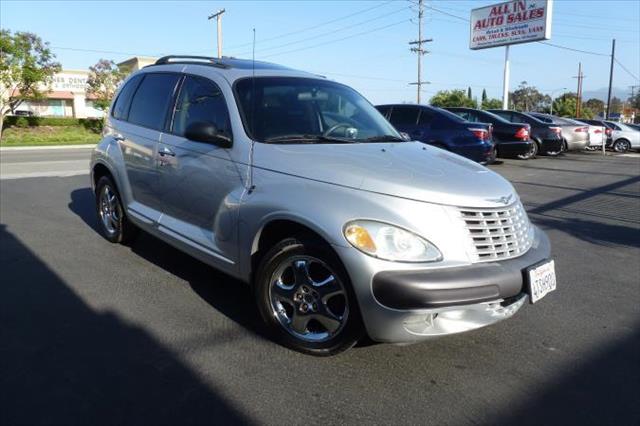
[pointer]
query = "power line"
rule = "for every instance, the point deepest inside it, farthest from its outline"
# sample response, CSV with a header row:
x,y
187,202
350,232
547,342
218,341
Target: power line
x,y
111,52
337,40
448,14
330,32
572,49
628,72
314,26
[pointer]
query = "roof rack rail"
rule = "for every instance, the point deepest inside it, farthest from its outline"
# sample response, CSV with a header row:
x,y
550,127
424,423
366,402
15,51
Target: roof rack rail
x,y
190,59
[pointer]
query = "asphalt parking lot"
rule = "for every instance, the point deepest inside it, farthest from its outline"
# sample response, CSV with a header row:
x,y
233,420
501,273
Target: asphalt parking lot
x,y
96,333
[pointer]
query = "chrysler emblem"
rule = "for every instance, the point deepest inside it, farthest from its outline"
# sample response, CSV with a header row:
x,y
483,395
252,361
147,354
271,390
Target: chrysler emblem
x,y
503,200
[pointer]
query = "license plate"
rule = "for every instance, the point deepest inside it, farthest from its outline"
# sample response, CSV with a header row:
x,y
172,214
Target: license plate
x,y
542,280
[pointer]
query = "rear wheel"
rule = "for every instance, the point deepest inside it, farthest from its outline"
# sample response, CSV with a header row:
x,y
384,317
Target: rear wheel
x,y
532,152
621,145
112,220
305,297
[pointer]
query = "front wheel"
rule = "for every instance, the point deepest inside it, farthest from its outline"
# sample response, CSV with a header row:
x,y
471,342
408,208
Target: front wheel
x,y
621,145
532,152
305,297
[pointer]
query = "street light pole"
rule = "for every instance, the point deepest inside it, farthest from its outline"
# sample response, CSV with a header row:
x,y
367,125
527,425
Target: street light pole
x,y
218,16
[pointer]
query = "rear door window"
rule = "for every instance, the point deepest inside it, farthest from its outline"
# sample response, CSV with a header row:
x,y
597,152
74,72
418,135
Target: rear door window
x,y
404,116
121,107
152,100
200,100
426,117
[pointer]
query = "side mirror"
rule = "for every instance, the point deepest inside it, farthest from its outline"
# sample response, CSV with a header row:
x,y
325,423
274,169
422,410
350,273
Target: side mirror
x,y
405,136
206,132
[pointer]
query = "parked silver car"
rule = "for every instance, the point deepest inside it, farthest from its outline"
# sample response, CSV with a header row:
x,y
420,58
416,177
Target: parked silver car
x,y
298,186
623,137
575,135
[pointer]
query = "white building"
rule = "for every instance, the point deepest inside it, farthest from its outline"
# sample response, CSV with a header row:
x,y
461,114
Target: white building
x,y
68,97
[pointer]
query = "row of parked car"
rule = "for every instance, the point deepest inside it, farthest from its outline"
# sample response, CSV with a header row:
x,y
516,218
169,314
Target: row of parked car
x,y
484,135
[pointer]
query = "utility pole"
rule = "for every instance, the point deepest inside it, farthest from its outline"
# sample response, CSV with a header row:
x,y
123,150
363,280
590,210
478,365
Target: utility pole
x,y
613,58
419,50
218,16
580,77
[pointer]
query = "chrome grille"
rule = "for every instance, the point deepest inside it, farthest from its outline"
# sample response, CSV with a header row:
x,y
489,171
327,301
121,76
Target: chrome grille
x,y
501,233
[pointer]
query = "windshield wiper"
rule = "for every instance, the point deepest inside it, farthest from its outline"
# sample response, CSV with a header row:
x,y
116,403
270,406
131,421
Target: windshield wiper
x,y
307,139
383,138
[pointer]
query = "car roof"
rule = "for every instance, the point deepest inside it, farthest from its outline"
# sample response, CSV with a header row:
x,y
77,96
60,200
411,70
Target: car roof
x,y
231,69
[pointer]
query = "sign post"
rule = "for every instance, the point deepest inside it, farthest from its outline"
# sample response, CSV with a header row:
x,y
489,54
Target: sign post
x,y
511,22
505,82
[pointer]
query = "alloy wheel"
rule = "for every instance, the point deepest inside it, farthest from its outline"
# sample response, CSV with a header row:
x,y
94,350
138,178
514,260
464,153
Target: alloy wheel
x,y
308,299
621,146
109,210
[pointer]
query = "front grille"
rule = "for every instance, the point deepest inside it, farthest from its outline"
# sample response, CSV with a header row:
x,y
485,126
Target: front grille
x,y
501,233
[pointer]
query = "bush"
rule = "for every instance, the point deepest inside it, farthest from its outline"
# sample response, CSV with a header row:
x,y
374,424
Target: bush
x,y
93,124
22,122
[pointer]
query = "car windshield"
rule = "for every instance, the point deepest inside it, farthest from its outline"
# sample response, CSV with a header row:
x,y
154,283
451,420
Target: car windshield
x,y
308,110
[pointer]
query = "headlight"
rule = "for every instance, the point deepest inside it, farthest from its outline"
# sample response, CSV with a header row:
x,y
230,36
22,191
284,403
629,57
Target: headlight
x,y
389,242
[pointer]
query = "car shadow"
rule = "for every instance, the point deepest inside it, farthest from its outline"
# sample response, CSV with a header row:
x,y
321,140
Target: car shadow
x,y
592,231
64,362
226,294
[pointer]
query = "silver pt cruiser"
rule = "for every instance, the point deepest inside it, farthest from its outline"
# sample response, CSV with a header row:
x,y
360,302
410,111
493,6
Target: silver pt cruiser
x,y
298,186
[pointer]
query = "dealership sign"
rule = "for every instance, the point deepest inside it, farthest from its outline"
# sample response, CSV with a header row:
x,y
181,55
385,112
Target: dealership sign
x,y
518,21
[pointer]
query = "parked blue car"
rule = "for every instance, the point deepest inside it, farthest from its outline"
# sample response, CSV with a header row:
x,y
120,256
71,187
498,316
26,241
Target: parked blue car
x,y
444,129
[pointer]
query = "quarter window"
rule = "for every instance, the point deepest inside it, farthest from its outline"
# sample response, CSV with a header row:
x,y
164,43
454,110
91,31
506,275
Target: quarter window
x,y
152,99
121,107
201,100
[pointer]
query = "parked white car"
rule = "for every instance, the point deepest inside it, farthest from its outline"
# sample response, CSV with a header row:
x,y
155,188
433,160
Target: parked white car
x,y
624,137
597,134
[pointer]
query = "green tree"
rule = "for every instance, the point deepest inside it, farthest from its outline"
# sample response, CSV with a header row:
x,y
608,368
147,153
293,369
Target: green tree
x,y
469,92
452,98
27,67
491,103
596,106
484,95
634,101
565,105
528,98
104,78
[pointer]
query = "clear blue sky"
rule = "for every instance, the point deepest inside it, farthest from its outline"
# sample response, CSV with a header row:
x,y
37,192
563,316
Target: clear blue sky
x,y
360,43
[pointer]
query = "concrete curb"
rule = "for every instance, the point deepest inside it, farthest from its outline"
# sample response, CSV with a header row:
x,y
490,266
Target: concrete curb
x,y
45,147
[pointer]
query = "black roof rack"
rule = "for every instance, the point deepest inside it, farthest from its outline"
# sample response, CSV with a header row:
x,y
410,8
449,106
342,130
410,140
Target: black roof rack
x,y
189,59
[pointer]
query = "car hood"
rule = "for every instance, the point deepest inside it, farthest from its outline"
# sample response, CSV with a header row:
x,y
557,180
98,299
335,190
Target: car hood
x,y
409,170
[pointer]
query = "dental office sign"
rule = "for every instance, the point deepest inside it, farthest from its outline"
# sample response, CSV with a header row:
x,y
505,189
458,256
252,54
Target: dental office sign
x,y
512,22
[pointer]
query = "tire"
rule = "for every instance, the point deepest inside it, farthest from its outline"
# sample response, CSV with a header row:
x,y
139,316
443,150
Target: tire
x,y
531,154
301,312
112,219
621,146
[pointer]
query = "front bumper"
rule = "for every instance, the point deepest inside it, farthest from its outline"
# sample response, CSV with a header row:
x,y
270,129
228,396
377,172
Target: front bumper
x,y
404,306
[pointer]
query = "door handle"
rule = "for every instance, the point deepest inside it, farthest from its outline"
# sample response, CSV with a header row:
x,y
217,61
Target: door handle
x,y
164,151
